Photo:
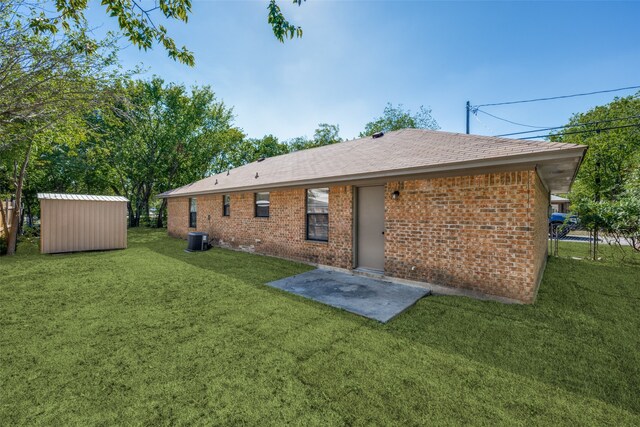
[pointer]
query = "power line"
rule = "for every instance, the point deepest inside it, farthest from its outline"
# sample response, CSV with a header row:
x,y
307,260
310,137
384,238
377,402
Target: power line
x,y
582,131
571,126
558,97
476,110
484,125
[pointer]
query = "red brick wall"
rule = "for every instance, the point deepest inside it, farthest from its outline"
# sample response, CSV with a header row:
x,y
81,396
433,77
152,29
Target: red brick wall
x,y
485,232
282,234
482,232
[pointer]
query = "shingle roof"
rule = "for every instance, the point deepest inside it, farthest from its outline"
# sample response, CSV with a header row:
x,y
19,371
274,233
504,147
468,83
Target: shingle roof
x,y
397,153
85,197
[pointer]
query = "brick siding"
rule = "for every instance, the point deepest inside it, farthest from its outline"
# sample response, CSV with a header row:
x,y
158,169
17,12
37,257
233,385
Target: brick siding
x,y
480,232
282,234
486,233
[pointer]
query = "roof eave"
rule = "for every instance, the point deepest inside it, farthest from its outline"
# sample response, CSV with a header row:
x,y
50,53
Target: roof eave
x,y
524,160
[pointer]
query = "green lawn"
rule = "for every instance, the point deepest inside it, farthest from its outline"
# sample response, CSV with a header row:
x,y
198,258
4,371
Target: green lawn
x,y
153,335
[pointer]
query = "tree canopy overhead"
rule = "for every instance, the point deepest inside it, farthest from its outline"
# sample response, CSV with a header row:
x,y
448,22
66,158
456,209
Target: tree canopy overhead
x,y
139,22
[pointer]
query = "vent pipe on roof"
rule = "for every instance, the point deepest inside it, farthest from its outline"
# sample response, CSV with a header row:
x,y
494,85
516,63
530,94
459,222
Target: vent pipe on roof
x,y
256,175
377,135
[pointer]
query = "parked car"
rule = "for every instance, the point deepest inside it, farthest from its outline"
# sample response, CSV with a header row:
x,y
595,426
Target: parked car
x,y
562,223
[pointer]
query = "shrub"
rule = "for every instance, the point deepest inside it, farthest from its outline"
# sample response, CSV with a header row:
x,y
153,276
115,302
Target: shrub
x,y
31,231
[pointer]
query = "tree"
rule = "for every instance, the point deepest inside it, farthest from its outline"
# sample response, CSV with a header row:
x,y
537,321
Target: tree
x,y
53,73
137,22
325,134
47,84
237,153
396,118
605,192
157,137
238,150
300,143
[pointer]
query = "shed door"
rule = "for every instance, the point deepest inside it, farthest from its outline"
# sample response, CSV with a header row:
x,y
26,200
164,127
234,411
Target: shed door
x,y
371,228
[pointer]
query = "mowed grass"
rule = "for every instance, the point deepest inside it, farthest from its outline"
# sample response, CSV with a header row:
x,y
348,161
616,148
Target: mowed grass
x,y
156,336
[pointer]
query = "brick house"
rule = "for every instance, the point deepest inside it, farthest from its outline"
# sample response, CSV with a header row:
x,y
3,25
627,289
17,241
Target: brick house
x,y
459,210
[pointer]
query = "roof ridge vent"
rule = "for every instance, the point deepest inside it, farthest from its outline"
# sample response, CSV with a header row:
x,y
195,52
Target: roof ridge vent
x,y
261,159
377,135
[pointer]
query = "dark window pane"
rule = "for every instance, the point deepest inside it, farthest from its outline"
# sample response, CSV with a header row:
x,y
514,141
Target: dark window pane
x,y
193,209
318,214
262,211
318,227
226,205
262,204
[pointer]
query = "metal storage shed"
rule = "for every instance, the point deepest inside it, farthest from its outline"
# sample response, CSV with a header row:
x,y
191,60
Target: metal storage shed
x,y
79,222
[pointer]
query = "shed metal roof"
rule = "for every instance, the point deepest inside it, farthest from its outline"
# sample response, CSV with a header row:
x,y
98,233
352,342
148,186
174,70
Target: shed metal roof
x,y
84,197
397,154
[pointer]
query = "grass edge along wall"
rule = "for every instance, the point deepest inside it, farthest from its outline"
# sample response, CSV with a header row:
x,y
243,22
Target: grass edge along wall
x,y
483,232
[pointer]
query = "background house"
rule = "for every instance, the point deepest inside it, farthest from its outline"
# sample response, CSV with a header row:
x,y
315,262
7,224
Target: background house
x,y
559,204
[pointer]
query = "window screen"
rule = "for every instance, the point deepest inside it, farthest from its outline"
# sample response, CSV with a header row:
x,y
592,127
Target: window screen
x,y
318,214
193,212
226,205
262,204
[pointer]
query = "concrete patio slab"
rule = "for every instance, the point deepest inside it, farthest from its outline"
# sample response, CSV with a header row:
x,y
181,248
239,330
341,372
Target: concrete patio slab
x,y
375,299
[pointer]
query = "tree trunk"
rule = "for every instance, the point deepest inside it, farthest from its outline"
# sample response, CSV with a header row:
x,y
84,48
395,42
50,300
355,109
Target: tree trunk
x,y
145,207
138,211
21,228
12,241
29,215
131,216
160,219
3,218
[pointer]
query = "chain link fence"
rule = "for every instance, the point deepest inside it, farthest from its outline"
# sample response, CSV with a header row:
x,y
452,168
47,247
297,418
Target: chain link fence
x,y
572,231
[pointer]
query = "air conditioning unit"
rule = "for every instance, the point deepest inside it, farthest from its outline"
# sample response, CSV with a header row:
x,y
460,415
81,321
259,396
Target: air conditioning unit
x,y
197,241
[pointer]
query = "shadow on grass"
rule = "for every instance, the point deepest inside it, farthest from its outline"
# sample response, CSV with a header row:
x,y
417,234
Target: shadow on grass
x,y
251,268
581,335
571,338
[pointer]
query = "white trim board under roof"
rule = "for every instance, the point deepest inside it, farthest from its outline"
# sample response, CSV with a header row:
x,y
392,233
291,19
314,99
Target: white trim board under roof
x,y
403,154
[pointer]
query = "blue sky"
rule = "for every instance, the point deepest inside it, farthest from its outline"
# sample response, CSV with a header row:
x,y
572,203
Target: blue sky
x,y
355,56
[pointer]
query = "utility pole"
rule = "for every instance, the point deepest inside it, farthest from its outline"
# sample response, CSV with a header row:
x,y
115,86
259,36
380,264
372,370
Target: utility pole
x,y
468,111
